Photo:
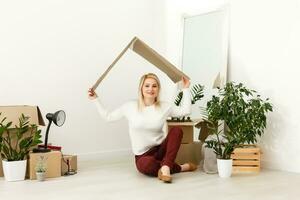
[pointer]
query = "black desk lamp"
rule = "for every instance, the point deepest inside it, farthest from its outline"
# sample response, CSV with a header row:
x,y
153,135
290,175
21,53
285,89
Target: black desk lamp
x,y
58,118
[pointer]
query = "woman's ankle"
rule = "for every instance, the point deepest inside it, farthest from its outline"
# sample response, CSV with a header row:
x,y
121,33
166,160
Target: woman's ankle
x,y
165,169
185,167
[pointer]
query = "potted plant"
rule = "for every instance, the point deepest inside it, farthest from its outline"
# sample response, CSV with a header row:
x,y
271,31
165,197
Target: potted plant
x,y
223,144
15,144
40,168
243,115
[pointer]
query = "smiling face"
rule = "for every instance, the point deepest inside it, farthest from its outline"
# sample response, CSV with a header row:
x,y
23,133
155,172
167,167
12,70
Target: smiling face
x,y
150,88
149,91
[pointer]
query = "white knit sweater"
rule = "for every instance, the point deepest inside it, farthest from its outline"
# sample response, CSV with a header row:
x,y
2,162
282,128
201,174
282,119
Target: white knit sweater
x,y
146,126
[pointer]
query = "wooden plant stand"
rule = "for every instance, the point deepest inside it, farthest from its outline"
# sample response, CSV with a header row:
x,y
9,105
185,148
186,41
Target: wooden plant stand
x,y
246,159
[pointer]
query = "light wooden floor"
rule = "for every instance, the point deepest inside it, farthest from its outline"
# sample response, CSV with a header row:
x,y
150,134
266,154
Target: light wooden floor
x,y
119,180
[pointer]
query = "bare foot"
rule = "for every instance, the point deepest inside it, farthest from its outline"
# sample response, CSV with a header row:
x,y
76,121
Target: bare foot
x,y
188,167
185,167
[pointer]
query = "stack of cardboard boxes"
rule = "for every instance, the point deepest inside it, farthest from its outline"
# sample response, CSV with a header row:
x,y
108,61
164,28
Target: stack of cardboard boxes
x,y
190,150
56,162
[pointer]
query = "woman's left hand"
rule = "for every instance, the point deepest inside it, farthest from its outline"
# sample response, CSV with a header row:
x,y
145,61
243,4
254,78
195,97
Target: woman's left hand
x,y
186,82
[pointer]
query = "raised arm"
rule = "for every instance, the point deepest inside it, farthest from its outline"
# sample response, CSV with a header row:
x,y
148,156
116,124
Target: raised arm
x,y
107,116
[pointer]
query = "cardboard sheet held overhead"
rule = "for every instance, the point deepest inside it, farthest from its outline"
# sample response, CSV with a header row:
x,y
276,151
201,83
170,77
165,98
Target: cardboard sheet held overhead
x,y
142,49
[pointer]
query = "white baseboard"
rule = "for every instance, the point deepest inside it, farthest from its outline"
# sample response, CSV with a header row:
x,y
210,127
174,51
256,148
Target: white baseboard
x,y
269,165
273,165
105,155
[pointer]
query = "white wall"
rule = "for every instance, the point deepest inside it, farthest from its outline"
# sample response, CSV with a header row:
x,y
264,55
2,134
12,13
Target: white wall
x,y
53,51
264,51
264,54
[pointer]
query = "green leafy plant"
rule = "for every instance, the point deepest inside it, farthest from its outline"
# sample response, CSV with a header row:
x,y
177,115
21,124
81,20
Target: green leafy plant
x,y
222,144
41,165
196,93
243,114
16,142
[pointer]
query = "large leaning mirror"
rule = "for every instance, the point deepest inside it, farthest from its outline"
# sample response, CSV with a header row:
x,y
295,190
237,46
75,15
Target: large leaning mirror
x,y
204,51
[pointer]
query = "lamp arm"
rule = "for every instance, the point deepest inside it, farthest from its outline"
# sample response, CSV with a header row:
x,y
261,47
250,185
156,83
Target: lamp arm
x,y
47,132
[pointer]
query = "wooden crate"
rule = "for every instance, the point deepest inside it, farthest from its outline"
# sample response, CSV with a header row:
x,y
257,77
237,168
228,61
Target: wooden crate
x,y
246,159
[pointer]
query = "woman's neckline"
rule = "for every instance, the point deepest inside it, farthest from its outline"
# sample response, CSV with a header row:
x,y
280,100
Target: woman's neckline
x,y
149,106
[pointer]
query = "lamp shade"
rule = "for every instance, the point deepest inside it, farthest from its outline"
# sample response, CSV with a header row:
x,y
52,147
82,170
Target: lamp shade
x,y
58,117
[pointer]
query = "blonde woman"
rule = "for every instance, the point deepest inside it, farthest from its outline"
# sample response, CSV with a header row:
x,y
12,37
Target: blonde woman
x,y
154,152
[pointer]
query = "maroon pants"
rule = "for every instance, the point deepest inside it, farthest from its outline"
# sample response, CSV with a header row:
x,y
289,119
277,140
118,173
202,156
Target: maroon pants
x,y
164,154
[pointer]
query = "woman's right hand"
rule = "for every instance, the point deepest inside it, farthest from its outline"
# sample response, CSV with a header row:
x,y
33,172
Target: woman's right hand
x,y
186,82
92,94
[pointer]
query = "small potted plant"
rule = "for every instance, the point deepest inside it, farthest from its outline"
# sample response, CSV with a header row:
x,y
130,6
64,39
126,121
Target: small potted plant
x,y
15,144
40,168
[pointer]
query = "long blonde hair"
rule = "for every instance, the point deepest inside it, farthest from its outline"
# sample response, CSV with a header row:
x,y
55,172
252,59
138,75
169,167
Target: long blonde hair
x,y
141,102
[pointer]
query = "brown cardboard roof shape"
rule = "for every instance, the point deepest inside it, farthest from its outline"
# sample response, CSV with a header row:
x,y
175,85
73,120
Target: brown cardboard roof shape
x,y
141,48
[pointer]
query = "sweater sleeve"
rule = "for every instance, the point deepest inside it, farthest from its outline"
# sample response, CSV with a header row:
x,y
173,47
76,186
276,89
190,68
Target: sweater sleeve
x,y
114,115
184,108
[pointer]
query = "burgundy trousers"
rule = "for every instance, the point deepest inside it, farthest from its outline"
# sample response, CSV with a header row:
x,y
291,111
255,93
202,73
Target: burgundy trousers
x,y
164,154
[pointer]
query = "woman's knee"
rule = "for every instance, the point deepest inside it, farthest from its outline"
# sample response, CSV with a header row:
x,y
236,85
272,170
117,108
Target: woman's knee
x,y
176,130
148,165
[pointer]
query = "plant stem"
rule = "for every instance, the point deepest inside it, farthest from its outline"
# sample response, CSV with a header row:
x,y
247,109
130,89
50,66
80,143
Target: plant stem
x,y
219,143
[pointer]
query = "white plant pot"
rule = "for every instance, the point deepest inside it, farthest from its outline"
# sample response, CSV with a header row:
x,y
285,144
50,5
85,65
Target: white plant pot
x,y
224,167
14,170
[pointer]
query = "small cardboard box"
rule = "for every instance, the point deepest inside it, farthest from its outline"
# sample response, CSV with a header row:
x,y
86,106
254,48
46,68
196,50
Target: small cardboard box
x,y
187,128
12,114
72,160
189,153
53,164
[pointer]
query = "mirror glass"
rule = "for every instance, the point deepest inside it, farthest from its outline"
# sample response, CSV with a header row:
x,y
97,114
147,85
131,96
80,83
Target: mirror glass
x,y
204,52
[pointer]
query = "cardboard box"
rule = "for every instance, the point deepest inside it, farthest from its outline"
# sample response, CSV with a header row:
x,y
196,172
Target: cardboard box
x,y
189,153
72,160
187,128
53,163
12,114
204,131
149,54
